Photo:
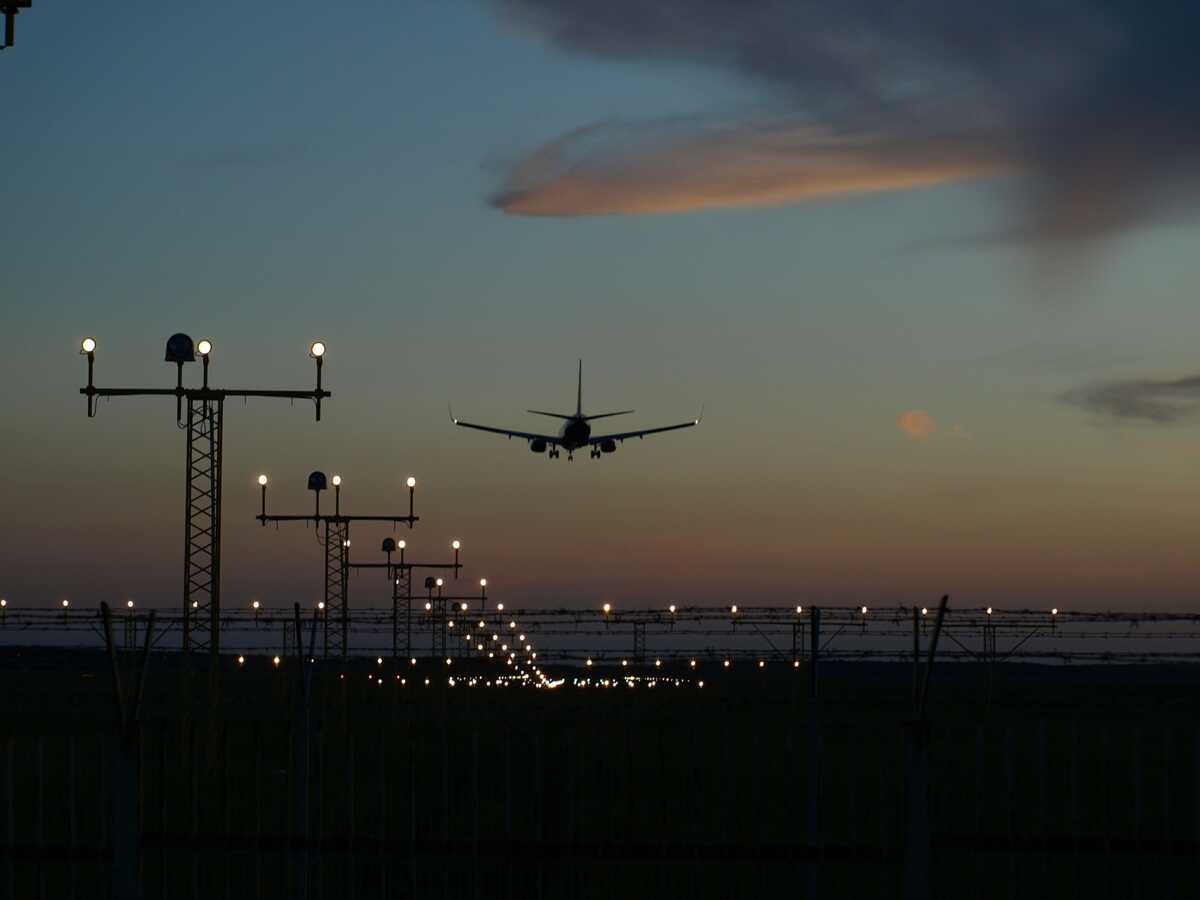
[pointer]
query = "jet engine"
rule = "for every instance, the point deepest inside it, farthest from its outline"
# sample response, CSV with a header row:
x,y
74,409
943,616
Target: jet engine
x,y
537,446
608,447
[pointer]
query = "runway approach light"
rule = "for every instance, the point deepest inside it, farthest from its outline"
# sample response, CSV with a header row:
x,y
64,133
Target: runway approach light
x,y
483,582
204,347
455,545
262,480
607,608
411,482
87,345
317,350
440,582
337,480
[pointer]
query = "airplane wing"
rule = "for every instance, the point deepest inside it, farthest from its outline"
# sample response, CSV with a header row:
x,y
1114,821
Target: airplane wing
x,y
601,438
550,439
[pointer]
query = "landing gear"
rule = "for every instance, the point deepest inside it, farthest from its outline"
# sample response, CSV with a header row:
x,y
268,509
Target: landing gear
x,y
595,453
553,454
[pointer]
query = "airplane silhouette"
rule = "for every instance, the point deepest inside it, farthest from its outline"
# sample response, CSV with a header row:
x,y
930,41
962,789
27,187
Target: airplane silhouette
x,y
576,432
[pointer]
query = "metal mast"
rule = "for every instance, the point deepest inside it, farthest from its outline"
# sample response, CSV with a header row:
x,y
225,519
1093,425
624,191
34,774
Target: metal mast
x,y
202,481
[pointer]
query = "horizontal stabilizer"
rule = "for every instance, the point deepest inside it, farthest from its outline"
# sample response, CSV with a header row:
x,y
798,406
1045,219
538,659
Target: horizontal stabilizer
x,y
623,412
538,412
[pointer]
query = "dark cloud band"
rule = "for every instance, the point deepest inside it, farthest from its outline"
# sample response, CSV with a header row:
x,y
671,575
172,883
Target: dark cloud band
x,y
1096,101
1158,401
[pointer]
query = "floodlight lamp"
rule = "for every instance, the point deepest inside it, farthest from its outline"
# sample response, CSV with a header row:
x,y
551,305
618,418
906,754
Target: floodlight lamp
x,y
320,604
255,604
262,480
463,607
129,603
337,480
607,608
671,609
483,582
3,601
204,347
317,349
440,582
66,603
456,545
411,482
400,545
87,345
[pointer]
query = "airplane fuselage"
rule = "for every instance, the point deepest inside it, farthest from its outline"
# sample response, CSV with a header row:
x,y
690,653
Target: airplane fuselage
x,y
575,434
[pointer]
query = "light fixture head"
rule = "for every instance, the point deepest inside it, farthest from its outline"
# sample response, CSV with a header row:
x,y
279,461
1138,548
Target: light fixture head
x,y
204,347
87,345
337,480
262,480
411,482
180,349
483,582
317,349
440,582
457,545
400,545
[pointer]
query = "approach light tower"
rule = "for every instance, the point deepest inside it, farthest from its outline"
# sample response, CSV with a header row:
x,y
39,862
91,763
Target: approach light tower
x,y
400,576
202,504
337,551
10,8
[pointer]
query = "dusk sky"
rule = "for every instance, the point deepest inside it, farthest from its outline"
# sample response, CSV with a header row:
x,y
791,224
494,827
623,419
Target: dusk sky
x,y
933,281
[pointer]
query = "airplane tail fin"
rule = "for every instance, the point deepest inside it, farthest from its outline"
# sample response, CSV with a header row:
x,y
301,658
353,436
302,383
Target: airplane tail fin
x,y
579,392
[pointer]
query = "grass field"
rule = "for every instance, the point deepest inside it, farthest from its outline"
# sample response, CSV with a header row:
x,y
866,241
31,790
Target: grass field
x,y
1057,782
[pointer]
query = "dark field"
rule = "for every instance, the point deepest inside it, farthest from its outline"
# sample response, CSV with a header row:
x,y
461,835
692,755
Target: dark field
x,y
1048,782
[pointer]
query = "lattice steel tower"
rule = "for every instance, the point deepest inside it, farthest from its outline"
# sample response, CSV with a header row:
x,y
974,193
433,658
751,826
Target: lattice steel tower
x,y
337,552
202,492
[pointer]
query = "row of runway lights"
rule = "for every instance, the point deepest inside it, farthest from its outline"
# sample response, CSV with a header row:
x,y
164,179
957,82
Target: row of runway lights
x,y
607,609
542,680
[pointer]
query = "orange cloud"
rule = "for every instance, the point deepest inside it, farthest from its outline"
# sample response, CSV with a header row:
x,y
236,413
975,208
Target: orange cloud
x,y
917,424
612,170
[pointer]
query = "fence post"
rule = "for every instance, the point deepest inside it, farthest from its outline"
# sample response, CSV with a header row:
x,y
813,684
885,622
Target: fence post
x,y
916,775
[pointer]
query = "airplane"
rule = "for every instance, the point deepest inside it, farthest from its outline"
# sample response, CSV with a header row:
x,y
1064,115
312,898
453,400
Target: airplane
x,y
576,433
